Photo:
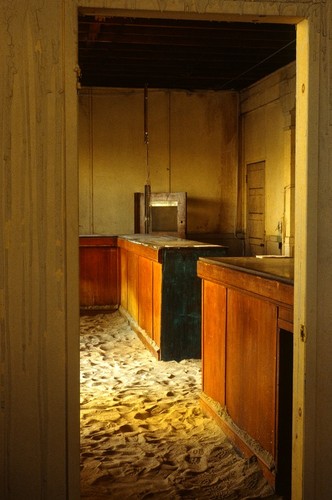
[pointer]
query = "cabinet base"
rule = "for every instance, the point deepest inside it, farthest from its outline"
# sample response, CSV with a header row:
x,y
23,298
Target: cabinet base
x,y
91,310
244,443
141,334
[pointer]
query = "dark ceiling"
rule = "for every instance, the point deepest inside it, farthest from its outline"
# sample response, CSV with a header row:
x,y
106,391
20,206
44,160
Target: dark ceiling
x,y
180,54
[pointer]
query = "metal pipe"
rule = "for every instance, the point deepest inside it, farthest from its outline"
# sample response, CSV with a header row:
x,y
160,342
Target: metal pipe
x,y
147,198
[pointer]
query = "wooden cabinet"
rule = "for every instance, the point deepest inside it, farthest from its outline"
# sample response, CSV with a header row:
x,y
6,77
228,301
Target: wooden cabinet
x,y
161,293
247,312
98,272
213,344
140,292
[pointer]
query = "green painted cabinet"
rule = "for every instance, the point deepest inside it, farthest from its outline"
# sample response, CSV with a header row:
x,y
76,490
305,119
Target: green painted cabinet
x,y
161,293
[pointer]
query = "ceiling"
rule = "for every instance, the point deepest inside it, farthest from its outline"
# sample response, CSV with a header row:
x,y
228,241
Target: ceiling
x,y
180,54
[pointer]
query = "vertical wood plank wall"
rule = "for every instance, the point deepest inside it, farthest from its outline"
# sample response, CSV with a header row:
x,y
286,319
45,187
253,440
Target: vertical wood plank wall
x,y
39,306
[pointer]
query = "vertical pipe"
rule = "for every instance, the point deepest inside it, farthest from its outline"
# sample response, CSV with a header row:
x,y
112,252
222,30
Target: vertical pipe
x,y
146,124
91,164
147,187
169,145
147,197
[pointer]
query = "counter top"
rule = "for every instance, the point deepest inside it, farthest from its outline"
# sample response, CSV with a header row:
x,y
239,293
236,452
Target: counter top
x,y
158,242
154,241
97,240
98,235
273,268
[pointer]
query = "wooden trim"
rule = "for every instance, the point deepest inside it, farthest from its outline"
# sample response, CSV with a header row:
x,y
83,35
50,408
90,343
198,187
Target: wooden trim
x,y
285,318
238,440
268,289
285,325
140,249
98,241
142,334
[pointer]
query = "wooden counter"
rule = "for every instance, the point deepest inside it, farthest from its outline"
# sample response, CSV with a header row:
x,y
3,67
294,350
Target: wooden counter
x,y
247,349
98,272
161,293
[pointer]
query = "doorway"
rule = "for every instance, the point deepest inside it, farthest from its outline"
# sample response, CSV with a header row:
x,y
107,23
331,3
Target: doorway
x,y
263,235
255,235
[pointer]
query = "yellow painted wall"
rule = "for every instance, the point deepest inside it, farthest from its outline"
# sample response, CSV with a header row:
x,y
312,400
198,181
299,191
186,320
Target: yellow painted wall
x,y
267,111
193,147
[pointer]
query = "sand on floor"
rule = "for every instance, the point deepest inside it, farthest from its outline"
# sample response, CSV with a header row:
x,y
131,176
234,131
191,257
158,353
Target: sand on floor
x,y
143,433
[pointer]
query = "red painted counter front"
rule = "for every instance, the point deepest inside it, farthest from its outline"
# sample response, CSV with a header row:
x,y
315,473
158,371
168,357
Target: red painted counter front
x,y
99,287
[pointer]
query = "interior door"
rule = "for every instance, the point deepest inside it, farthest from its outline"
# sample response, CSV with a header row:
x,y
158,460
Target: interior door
x,y
255,235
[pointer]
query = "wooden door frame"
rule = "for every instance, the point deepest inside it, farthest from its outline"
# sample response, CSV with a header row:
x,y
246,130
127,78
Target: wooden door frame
x,y
307,149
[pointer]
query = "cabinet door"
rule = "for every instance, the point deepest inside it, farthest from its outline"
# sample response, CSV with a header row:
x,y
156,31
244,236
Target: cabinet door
x,y
157,287
251,366
145,294
98,276
123,264
132,292
213,340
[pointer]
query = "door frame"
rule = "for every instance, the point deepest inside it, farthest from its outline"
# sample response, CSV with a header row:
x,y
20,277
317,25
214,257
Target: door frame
x,y
307,86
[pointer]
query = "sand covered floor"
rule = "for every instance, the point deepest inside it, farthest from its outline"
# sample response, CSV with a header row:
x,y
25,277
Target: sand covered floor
x,y
143,434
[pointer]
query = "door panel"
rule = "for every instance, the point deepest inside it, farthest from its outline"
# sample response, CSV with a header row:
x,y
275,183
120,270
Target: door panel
x,y
214,338
157,292
256,208
251,366
145,299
